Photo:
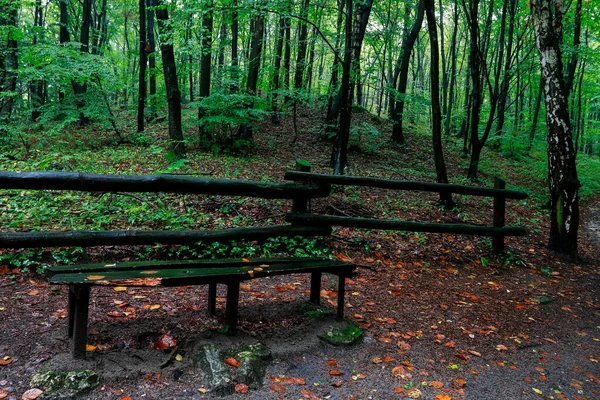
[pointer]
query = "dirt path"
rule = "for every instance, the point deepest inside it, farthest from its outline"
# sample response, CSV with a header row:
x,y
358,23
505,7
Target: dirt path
x,y
526,327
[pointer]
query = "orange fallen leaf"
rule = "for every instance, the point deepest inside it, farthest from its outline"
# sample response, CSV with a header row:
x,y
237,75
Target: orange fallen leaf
x,y
276,387
3,394
232,361
251,273
241,388
33,292
119,288
436,384
32,394
331,363
404,346
166,341
377,360
5,361
459,383
154,307
388,359
475,353
113,314
550,340
246,260
399,390
125,398
442,397
335,372
299,381
461,356
94,277
90,347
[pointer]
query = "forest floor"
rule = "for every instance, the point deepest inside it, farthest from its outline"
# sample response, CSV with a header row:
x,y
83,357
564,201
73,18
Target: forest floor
x,y
442,317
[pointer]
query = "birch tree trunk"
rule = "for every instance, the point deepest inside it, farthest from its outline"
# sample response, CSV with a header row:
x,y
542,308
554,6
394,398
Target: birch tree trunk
x,y
562,171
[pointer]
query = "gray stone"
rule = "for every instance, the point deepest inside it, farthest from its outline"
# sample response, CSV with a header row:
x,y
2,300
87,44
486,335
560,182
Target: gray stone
x,y
251,370
215,372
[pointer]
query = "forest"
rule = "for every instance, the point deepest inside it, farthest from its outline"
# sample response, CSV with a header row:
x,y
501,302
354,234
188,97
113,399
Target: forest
x,y
451,92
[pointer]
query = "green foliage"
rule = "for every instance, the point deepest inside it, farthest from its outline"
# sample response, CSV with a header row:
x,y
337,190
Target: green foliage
x,y
222,115
364,137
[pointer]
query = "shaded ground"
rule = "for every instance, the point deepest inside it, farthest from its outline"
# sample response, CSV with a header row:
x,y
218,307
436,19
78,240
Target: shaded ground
x,y
441,315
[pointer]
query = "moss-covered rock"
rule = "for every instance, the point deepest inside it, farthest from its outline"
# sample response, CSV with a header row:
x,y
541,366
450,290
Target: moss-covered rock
x,y
66,383
342,337
215,372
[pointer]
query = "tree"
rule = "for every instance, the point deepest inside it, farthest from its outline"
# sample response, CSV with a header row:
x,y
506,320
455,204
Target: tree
x,y
143,64
562,171
408,43
9,63
436,113
171,82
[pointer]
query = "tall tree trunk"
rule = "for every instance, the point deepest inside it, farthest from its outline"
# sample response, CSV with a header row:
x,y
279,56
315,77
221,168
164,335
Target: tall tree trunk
x,y
334,93
245,131
562,170
277,70
143,64
536,113
235,73
177,145
205,67
436,113
9,63
151,49
37,86
340,149
81,88
572,65
361,18
512,9
453,45
302,45
407,47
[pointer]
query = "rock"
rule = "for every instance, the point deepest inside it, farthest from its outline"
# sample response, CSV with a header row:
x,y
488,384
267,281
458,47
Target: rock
x,y
258,350
215,371
342,337
65,384
251,371
80,381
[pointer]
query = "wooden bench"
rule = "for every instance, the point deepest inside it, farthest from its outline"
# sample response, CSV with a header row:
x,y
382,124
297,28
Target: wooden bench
x,y
230,272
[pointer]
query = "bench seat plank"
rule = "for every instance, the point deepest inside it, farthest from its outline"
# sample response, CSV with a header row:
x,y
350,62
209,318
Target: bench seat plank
x,y
197,276
174,264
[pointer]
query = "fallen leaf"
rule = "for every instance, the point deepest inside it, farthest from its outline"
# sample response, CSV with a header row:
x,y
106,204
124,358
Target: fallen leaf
x,y
246,260
241,388
154,307
3,394
276,387
501,347
113,314
337,383
377,360
33,292
475,353
179,357
202,390
149,272
388,359
442,397
414,393
550,340
335,372
90,348
251,273
166,341
459,383
94,277
258,269
404,346
436,384
461,356
331,363
299,381
232,361
32,394
120,288
125,398
6,361
538,391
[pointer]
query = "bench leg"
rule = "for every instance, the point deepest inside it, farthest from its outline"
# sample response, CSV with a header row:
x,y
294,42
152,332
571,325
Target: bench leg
x,y
71,310
233,297
82,302
315,288
212,298
340,299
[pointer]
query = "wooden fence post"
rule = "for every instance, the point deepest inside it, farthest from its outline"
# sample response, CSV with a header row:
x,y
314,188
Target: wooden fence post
x,y
499,215
301,203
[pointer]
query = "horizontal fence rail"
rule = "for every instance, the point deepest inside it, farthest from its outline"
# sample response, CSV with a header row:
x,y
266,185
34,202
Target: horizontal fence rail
x,y
403,185
136,237
157,183
399,225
